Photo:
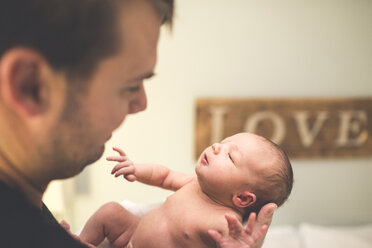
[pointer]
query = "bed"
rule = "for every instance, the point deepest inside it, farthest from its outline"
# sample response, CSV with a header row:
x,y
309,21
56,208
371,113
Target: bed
x,y
308,235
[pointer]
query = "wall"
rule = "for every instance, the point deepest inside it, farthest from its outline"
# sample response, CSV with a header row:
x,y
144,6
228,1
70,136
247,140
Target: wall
x,y
244,48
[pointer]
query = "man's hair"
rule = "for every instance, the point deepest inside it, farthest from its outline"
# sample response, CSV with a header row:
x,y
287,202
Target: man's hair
x,y
276,185
73,35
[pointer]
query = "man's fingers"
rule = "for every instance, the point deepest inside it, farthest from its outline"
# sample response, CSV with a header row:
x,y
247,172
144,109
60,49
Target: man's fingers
x,y
235,227
76,237
264,219
82,241
216,236
265,215
65,225
120,151
250,223
260,234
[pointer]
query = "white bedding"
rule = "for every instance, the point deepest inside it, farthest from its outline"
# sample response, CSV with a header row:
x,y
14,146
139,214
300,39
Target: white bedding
x,y
315,236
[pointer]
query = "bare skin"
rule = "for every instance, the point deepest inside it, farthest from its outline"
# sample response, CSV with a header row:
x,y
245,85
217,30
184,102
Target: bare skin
x,y
118,231
192,216
184,228
252,236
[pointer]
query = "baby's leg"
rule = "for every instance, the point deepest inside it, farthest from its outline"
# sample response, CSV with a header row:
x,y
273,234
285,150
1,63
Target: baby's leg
x,y
110,221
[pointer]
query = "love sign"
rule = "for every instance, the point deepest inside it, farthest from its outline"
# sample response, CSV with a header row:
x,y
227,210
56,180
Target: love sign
x,y
304,128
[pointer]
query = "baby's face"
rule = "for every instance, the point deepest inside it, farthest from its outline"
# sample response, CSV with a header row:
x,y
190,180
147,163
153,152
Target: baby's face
x,y
230,165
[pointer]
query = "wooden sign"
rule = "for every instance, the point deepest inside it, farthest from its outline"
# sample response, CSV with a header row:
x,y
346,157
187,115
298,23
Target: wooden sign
x,y
304,128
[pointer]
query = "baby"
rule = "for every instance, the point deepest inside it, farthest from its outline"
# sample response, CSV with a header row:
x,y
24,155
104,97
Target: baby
x,y
235,177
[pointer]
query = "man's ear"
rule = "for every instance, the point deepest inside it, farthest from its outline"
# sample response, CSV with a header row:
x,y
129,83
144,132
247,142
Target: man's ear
x,y
244,199
21,84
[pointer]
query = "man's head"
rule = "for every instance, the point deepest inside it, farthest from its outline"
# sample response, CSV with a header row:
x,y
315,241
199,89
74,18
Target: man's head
x,y
247,171
72,36
70,71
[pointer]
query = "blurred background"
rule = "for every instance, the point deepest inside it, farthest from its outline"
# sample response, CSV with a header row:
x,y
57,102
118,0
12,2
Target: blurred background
x,y
243,48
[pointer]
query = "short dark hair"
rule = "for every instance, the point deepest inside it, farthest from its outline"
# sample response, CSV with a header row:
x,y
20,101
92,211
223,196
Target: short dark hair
x,y
73,35
277,185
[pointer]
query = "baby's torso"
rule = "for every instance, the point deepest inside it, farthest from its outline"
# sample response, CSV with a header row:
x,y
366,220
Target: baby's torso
x,y
182,221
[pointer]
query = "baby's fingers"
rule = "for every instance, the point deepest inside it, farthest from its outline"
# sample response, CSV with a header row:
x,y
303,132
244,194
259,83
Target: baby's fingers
x,y
125,171
121,165
120,151
117,158
130,177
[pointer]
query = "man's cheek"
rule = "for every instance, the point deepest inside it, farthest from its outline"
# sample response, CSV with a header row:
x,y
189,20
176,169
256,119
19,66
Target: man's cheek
x,y
117,118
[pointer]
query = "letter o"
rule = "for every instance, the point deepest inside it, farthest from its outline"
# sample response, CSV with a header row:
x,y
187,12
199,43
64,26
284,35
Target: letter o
x,y
279,126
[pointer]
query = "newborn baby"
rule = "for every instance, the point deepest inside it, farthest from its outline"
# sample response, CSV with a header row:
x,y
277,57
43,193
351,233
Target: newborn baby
x,y
233,178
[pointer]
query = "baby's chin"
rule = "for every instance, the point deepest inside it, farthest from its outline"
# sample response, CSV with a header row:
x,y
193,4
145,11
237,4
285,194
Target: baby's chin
x,y
197,166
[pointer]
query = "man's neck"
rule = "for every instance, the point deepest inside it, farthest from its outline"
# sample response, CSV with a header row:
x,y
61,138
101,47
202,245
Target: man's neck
x,y
21,165
22,182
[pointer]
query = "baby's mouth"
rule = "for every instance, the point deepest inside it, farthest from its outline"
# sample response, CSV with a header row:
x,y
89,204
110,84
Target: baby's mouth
x,y
205,159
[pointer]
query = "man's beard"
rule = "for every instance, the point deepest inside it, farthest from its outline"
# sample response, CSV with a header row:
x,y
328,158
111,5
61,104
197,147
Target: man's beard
x,y
72,144
70,152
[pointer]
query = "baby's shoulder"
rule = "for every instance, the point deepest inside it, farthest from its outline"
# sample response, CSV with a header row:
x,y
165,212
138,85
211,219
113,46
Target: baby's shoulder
x,y
216,222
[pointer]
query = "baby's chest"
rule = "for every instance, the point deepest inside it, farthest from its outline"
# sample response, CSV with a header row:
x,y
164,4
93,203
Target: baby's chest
x,y
190,220
191,230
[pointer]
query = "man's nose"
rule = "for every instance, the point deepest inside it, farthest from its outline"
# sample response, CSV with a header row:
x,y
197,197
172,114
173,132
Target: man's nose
x,y
139,103
216,147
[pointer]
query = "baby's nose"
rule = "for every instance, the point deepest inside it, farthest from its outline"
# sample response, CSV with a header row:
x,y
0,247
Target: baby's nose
x,y
216,148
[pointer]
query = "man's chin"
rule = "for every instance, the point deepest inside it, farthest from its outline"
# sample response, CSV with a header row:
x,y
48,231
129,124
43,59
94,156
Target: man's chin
x,y
89,160
95,156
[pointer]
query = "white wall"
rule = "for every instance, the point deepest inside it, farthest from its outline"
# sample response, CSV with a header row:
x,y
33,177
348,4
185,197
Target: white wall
x,y
246,48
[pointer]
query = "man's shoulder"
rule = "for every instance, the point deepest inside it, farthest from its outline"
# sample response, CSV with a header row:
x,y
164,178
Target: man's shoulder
x,y
23,225
12,202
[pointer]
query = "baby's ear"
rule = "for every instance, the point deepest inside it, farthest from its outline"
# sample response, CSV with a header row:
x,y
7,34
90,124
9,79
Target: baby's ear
x,y
244,199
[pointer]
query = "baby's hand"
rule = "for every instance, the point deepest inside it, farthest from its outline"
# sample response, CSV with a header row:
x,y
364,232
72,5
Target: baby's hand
x,y
125,167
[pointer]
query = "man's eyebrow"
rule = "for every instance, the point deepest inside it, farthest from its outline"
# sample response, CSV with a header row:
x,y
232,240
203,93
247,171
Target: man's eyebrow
x,y
144,76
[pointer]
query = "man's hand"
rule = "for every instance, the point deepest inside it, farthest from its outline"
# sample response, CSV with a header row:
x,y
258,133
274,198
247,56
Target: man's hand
x,y
252,236
125,167
66,226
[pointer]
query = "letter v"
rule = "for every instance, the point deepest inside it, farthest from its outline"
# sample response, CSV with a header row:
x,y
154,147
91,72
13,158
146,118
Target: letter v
x,y
307,134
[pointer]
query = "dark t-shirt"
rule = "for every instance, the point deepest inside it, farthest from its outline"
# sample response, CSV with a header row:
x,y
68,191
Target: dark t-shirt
x,y
25,226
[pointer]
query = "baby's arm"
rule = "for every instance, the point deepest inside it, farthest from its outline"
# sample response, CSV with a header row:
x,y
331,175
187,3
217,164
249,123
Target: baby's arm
x,y
151,174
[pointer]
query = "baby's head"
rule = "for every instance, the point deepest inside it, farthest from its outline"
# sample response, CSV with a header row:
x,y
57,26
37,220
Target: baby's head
x,y
245,171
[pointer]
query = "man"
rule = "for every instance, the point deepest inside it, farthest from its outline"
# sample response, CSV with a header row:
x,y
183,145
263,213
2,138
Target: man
x,y
70,72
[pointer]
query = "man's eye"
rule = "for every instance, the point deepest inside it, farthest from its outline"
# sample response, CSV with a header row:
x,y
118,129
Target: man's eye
x,y
130,90
134,89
